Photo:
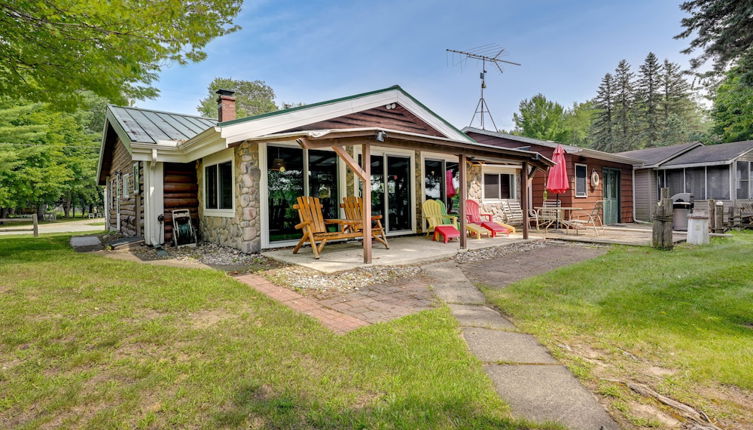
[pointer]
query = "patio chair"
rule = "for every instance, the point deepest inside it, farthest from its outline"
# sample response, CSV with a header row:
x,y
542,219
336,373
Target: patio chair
x,y
314,226
548,215
432,213
513,212
593,219
473,215
353,208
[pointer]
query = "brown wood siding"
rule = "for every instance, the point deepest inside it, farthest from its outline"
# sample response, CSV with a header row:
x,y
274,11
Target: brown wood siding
x,y
568,198
180,192
122,163
398,118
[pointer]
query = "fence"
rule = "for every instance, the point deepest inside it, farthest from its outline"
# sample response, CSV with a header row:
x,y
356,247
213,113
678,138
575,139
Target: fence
x,y
34,226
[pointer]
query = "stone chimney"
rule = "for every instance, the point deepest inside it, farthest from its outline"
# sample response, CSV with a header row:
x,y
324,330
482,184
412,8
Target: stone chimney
x,y
225,105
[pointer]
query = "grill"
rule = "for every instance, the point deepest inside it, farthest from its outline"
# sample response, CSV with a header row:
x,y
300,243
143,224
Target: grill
x,y
682,205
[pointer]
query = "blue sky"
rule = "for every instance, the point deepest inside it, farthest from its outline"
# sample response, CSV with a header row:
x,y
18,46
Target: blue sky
x,y
316,50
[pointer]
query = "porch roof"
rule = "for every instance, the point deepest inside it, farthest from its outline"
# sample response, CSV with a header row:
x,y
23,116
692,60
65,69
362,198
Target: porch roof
x,y
402,139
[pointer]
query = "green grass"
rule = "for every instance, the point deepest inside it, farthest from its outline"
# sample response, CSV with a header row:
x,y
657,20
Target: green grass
x,y
687,313
90,342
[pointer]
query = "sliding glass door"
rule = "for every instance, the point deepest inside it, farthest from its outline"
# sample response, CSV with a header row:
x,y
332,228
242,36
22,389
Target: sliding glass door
x,y
294,172
441,182
391,191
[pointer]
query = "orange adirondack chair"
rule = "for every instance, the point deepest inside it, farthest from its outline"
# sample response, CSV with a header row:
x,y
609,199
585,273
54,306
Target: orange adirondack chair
x,y
473,215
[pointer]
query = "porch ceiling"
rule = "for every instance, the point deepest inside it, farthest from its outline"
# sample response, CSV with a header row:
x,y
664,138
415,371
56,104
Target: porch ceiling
x,y
313,139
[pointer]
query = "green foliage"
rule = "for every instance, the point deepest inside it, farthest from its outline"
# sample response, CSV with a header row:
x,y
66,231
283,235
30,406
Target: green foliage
x,y
723,30
543,119
648,85
48,156
733,109
602,130
624,116
251,97
540,118
52,49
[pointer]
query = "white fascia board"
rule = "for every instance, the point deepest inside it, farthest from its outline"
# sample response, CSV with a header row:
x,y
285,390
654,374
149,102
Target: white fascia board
x,y
269,125
165,153
689,165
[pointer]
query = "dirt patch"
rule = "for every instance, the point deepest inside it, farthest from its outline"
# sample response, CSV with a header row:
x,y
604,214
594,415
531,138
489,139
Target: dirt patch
x,y
652,416
501,271
207,318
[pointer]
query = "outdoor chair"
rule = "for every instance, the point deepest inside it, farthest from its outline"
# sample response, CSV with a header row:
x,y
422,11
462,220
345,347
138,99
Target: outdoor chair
x,y
432,213
513,212
548,215
314,226
474,218
353,208
592,220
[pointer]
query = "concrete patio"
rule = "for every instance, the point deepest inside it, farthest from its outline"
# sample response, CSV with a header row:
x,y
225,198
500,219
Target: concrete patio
x,y
403,250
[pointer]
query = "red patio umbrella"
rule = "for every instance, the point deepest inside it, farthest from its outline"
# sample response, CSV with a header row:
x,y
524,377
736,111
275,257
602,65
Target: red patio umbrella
x,y
556,181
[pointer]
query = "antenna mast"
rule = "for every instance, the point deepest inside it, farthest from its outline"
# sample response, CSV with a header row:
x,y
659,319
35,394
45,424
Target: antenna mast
x,y
484,54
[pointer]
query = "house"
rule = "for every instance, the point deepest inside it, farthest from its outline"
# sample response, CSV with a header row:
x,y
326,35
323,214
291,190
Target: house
x,y
719,172
240,176
595,176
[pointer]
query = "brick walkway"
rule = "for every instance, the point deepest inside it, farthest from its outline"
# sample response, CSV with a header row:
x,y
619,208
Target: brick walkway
x,y
336,321
380,303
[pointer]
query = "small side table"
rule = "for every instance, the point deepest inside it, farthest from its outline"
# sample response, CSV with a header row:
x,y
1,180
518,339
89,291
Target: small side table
x,y
447,231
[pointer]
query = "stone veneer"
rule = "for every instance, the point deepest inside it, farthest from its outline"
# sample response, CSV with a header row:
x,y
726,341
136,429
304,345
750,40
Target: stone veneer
x,y
243,231
475,173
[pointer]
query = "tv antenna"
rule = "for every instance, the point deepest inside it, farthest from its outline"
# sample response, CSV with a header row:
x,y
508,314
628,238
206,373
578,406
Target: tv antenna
x,y
486,54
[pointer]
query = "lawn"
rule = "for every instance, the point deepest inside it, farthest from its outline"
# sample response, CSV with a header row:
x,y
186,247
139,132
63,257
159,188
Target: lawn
x,y
680,321
90,342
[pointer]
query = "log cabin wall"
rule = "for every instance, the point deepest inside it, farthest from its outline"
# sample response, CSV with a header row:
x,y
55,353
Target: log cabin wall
x,y
131,211
180,192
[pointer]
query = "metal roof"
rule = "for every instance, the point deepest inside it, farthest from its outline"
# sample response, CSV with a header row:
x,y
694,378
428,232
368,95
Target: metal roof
x,y
150,126
712,154
654,156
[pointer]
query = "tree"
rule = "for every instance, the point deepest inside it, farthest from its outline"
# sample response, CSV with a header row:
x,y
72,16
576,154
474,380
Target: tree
x,y
733,108
723,30
603,128
624,115
52,49
648,93
540,118
252,97
577,124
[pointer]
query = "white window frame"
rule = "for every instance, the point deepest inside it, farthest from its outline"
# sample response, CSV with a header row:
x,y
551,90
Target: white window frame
x,y
126,186
214,160
492,170
575,185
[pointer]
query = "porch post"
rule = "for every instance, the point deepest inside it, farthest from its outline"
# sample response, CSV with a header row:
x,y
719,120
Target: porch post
x,y
524,197
463,196
366,195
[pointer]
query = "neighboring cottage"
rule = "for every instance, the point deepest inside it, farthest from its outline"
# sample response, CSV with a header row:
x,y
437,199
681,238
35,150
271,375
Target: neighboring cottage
x,y
240,176
595,176
719,172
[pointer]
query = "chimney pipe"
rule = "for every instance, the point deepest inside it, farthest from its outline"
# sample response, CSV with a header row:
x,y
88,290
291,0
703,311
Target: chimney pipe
x,y
225,105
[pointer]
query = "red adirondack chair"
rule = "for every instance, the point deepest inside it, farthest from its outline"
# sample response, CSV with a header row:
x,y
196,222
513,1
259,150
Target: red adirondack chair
x,y
473,215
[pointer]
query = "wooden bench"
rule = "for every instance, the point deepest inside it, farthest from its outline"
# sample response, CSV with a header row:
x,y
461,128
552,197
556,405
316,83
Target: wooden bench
x,y
353,208
314,226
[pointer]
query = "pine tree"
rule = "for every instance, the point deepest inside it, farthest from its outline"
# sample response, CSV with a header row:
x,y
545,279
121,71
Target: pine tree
x,y
648,92
602,130
624,103
675,91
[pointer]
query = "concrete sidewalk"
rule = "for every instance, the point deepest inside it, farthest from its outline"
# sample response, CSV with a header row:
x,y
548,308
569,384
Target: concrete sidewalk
x,y
525,375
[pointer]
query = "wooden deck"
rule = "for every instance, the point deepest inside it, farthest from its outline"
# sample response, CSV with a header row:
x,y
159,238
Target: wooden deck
x,y
624,234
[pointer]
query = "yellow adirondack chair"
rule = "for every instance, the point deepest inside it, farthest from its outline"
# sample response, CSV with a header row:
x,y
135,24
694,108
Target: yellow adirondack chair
x,y
433,215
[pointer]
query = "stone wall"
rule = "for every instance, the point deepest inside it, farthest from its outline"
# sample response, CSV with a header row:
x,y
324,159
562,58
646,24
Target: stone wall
x,y
243,231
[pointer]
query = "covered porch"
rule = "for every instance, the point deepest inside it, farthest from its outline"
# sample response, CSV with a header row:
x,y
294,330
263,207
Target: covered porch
x,y
350,147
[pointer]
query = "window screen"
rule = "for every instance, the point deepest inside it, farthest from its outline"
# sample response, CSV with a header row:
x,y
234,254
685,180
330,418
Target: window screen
x,y
675,181
718,182
581,172
695,182
743,179
491,186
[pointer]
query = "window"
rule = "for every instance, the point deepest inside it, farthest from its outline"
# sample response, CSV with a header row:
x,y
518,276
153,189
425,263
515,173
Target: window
x,y
695,182
218,186
499,186
676,181
126,185
743,179
136,188
441,182
581,180
718,182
